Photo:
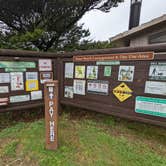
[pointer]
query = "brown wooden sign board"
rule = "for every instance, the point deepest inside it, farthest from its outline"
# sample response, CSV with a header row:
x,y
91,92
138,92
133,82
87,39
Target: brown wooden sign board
x,y
115,57
142,58
51,114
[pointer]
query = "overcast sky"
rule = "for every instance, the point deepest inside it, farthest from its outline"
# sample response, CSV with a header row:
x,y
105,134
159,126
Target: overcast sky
x,y
105,25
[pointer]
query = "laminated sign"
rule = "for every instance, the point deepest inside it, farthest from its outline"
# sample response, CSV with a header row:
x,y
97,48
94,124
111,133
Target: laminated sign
x,y
45,65
151,106
46,76
122,92
17,82
69,70
32,85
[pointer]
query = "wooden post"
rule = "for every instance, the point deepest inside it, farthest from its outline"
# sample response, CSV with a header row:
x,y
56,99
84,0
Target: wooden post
x,y
51,114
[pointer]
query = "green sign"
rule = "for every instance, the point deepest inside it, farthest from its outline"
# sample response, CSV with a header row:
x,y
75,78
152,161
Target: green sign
x,y
107,71
151,106
108,63
16,66
15,69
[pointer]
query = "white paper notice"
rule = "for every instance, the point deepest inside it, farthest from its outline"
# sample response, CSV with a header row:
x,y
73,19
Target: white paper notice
x,y
154,87
20,98
4,78
4,89
45,65
79,87
31,75
98,87
17,82
36,95
69,92
69,69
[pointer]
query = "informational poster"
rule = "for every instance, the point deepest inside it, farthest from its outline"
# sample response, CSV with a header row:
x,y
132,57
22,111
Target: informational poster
x,y
45,65
126,73
111,63
31,75
157,71
154,87
19,98
79,87
4,89
98,87
36,95
17,82
45,77
122,92
69,92
107,71
151,106
92,72
69,70
4,78
4,101
79,71
14,66
32,85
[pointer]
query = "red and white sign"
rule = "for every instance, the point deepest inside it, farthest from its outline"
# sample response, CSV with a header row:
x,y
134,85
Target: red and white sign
x,y
45,65
4,101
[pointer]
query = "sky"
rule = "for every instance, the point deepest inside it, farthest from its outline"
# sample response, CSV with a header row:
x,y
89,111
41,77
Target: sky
x,y
105,25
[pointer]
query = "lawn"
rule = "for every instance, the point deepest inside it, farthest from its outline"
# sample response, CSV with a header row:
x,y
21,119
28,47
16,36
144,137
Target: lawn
x,y
86,139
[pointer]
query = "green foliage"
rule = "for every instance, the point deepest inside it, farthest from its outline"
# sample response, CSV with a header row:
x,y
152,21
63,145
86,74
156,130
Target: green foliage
x,y
85,45
27,37
95,45
23,41
71,40
56,18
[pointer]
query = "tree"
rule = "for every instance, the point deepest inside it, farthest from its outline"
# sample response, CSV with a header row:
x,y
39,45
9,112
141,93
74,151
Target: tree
x,y
50,19
72,40
90,45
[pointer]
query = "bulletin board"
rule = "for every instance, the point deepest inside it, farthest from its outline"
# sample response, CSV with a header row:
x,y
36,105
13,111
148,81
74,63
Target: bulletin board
x,y
129,85
22,81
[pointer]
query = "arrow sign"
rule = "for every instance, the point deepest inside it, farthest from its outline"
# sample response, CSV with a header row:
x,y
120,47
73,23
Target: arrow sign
x,y
51,114
51,95
51,111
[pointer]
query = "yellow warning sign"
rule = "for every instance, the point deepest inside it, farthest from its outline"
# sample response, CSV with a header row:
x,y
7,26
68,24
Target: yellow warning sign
x,y
122,92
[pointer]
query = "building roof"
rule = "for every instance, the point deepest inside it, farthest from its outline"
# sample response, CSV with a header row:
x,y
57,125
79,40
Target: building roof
x,y
139,28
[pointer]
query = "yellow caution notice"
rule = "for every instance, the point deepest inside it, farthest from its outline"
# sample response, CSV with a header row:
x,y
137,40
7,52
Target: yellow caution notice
x,y
32,85
122,92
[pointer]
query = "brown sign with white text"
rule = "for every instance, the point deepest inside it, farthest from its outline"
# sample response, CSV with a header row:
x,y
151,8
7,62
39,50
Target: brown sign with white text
x,y
51,114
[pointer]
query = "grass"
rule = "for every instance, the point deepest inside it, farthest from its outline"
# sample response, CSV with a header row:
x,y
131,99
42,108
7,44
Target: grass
x,y
84,139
